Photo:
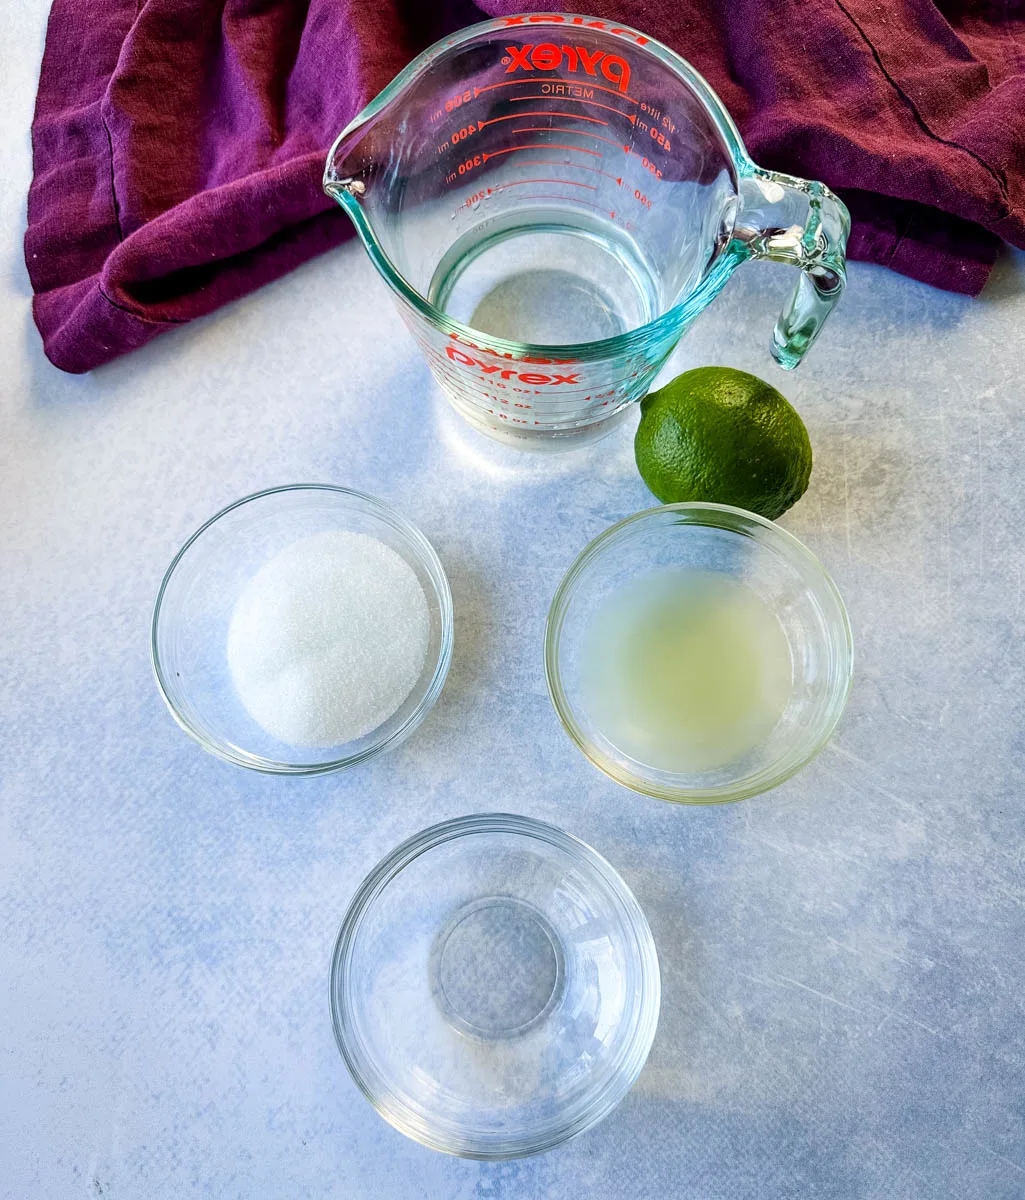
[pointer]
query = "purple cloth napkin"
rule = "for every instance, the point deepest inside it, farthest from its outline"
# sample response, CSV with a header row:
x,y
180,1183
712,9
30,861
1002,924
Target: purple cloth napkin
x,y
179,144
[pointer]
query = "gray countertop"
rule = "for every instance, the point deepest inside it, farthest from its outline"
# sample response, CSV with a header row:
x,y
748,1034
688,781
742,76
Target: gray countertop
x,y
843,959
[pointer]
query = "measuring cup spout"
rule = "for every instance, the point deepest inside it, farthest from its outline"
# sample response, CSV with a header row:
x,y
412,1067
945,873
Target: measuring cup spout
x,y
348,167
785,219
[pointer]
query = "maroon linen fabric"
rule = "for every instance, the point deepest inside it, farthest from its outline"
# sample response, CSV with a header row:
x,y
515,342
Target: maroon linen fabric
x,y
178,144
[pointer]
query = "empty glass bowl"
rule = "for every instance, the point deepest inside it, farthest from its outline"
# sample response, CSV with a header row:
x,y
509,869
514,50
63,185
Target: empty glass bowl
x,y
746,548
495,987
198,594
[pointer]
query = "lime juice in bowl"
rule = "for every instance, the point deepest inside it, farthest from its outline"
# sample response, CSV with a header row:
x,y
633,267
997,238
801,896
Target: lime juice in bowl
x,y
698,653
685,669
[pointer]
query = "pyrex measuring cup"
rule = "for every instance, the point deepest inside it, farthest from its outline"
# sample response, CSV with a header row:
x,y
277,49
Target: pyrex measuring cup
x,y
553,199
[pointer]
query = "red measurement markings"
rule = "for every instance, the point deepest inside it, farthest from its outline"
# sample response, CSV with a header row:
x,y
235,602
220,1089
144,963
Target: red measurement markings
x,y
516,117
631,117
476,197
548,162
645,161
556,129
568,182
533,82
542,146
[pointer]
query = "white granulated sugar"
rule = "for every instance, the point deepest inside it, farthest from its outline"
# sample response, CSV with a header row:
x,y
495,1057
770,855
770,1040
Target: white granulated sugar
x,y
328,638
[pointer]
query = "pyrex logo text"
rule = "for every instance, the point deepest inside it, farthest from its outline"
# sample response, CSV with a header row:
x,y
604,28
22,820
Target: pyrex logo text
x,y
533,378
547,57
587,22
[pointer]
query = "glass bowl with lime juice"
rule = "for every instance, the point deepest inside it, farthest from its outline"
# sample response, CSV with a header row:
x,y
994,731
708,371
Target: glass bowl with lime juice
x,y
698,653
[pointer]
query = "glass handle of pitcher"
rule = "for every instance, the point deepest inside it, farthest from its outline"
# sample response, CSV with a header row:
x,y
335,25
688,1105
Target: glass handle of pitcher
x,y
796,221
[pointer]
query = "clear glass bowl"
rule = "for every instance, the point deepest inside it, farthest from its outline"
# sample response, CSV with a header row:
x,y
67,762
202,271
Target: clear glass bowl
x,y
198,594
495,987
748,548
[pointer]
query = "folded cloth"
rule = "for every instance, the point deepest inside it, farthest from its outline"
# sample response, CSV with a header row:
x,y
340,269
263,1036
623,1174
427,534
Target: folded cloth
x,y
179,144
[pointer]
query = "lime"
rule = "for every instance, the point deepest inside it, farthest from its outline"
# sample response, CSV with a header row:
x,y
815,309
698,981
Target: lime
x,y
721,435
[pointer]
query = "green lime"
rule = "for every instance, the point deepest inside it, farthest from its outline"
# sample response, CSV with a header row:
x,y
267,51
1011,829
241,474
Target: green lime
x,y
725,436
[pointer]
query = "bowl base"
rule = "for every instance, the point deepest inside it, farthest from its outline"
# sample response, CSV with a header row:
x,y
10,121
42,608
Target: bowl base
x,y
497,968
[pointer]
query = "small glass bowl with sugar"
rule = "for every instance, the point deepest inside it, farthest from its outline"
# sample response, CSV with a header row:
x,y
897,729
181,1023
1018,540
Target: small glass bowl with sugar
x,y
303,629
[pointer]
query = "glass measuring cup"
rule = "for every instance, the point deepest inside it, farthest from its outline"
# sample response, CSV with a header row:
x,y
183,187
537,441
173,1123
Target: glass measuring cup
x,y
553,199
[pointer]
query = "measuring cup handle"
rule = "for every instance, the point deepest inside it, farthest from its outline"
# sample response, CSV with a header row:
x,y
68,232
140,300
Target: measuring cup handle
x,y
803,223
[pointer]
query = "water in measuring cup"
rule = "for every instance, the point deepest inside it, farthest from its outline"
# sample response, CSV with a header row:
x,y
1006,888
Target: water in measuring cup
x,y
546,277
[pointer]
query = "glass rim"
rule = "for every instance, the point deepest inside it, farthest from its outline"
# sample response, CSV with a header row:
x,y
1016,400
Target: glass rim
x,y
731,519
668,323
425,555
446,1136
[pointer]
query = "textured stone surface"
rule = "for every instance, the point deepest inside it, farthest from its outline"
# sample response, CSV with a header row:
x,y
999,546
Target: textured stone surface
x,y
842,959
